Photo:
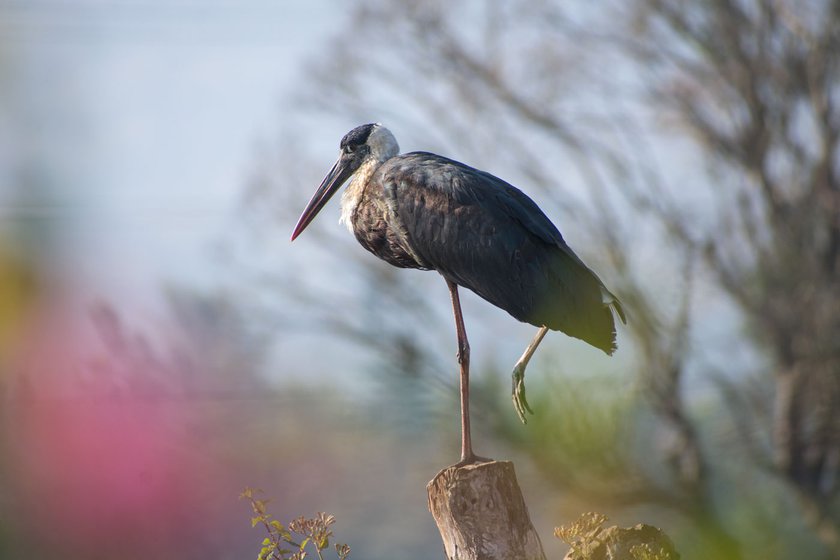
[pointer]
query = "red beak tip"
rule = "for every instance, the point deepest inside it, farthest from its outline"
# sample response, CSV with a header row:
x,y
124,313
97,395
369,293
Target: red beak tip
x,y
295,232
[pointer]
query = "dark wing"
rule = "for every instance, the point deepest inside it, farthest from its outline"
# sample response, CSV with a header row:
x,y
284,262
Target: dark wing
x,y
486,235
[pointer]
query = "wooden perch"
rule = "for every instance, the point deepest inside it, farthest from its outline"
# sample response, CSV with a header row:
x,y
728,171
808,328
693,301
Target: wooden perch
x,y
481,514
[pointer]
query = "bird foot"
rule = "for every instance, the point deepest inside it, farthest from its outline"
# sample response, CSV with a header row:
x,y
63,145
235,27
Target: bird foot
x,y
471,460
520,403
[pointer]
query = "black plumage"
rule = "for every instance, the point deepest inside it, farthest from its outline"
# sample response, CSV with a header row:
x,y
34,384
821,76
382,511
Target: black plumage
x,y
486,235
421,210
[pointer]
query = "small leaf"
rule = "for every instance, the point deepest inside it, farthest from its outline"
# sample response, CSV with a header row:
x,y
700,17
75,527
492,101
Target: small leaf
x,y
342,550
304,542
255,520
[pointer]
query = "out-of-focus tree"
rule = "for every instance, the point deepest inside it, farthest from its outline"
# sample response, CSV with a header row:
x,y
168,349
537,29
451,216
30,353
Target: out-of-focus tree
x,y
699,148
757,85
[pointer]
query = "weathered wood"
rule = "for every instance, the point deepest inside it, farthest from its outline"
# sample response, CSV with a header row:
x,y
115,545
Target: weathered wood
x,y
481,514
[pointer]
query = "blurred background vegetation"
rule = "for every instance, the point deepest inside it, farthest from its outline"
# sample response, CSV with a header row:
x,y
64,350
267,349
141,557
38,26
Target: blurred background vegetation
x,y
162,346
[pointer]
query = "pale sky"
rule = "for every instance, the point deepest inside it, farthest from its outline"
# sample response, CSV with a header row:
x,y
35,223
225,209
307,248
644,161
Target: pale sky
x,y
142,118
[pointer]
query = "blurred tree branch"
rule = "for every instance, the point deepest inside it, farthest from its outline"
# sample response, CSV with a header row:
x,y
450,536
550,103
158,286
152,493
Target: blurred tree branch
x,y
761,95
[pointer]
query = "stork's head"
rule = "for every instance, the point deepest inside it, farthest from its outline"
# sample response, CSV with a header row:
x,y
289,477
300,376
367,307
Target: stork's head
x,y
369,144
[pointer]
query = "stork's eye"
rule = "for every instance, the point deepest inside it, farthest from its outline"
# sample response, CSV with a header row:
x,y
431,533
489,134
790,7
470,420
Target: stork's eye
x,y
355,148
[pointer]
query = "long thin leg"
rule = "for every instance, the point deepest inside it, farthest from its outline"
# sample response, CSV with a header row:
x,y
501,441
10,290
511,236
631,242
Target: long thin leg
x,y
520,403
467,455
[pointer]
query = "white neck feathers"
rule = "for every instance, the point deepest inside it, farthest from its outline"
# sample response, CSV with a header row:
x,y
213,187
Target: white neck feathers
x,y
383,146
353,193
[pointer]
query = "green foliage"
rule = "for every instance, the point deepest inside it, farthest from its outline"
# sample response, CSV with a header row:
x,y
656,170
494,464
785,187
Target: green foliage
x,y
582,535
582,433
645,552
296,540
589,540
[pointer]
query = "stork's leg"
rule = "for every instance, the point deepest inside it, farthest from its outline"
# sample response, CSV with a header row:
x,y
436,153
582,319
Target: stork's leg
x,y
520,403
467,455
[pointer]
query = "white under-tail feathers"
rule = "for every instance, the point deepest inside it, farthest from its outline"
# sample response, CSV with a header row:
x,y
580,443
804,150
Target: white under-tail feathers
x,y
609,299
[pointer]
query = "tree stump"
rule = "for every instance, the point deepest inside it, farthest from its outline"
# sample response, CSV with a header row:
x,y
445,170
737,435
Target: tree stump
x,y
481,515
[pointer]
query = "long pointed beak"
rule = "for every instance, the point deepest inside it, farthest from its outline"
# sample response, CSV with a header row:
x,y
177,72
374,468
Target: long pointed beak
x,y
339,173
